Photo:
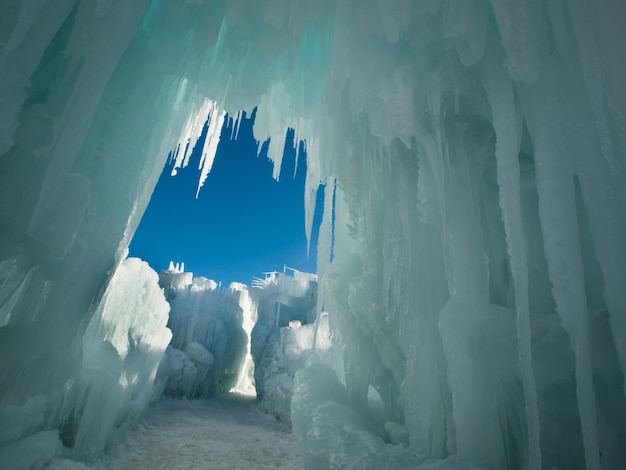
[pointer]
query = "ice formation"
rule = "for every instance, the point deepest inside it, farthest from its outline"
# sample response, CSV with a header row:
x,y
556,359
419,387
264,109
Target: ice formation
x,y
245,339
122,348
473,156
209,343
284,337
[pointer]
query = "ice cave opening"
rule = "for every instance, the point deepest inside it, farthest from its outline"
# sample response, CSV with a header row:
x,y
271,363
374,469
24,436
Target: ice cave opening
x,y
222,208
469,308
218,202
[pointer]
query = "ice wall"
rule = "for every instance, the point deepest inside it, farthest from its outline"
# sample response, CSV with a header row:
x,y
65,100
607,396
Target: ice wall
x,y
209,344
474,158
284,336
88,111
123,346
477,201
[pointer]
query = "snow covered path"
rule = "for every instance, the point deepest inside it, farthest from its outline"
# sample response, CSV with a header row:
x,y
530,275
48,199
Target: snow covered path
x,y
227,432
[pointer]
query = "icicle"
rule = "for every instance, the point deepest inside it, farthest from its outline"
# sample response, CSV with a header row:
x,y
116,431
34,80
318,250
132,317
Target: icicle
x,y
29,11
520,38
235,123
216,122
590,60
311,185
559,226
191,132
500,94
238,124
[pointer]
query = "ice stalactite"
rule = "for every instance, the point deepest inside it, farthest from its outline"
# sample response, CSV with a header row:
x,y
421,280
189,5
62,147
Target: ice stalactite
x,y
210,114
501,98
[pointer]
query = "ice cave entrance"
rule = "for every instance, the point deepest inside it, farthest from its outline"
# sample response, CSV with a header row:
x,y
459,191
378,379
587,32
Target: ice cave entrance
x,y
235,228
218,208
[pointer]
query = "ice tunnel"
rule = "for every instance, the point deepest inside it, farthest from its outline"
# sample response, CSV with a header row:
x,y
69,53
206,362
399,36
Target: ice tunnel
x,y
473,157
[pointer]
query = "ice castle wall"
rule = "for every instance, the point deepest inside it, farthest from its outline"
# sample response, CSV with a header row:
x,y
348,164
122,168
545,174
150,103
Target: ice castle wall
x,y
209,344
284,337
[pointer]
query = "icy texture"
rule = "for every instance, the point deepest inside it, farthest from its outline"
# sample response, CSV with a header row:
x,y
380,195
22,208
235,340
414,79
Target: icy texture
x,y
78,161
31,452
122,349
214,118
209,345
473,156
245,379
284,336
335,436
283,304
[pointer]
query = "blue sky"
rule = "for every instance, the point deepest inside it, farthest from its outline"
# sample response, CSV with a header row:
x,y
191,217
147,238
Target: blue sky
x,y
243,223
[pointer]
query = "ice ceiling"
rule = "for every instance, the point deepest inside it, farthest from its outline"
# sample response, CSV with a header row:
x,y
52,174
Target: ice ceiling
x,y
473,152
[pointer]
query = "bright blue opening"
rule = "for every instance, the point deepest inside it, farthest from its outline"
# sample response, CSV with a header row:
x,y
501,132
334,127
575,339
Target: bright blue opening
x,y
243,223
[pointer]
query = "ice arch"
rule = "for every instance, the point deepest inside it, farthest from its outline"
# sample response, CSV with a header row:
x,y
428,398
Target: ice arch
x,y
478,153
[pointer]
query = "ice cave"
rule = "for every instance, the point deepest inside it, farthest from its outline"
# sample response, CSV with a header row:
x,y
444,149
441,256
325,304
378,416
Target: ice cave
x,y
466,312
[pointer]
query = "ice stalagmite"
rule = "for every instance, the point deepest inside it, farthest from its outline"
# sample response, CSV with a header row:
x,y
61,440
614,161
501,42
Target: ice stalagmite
x,y
471,260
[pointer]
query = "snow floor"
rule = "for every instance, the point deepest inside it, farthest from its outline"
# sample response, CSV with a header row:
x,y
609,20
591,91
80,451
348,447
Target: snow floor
x,y
226,432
